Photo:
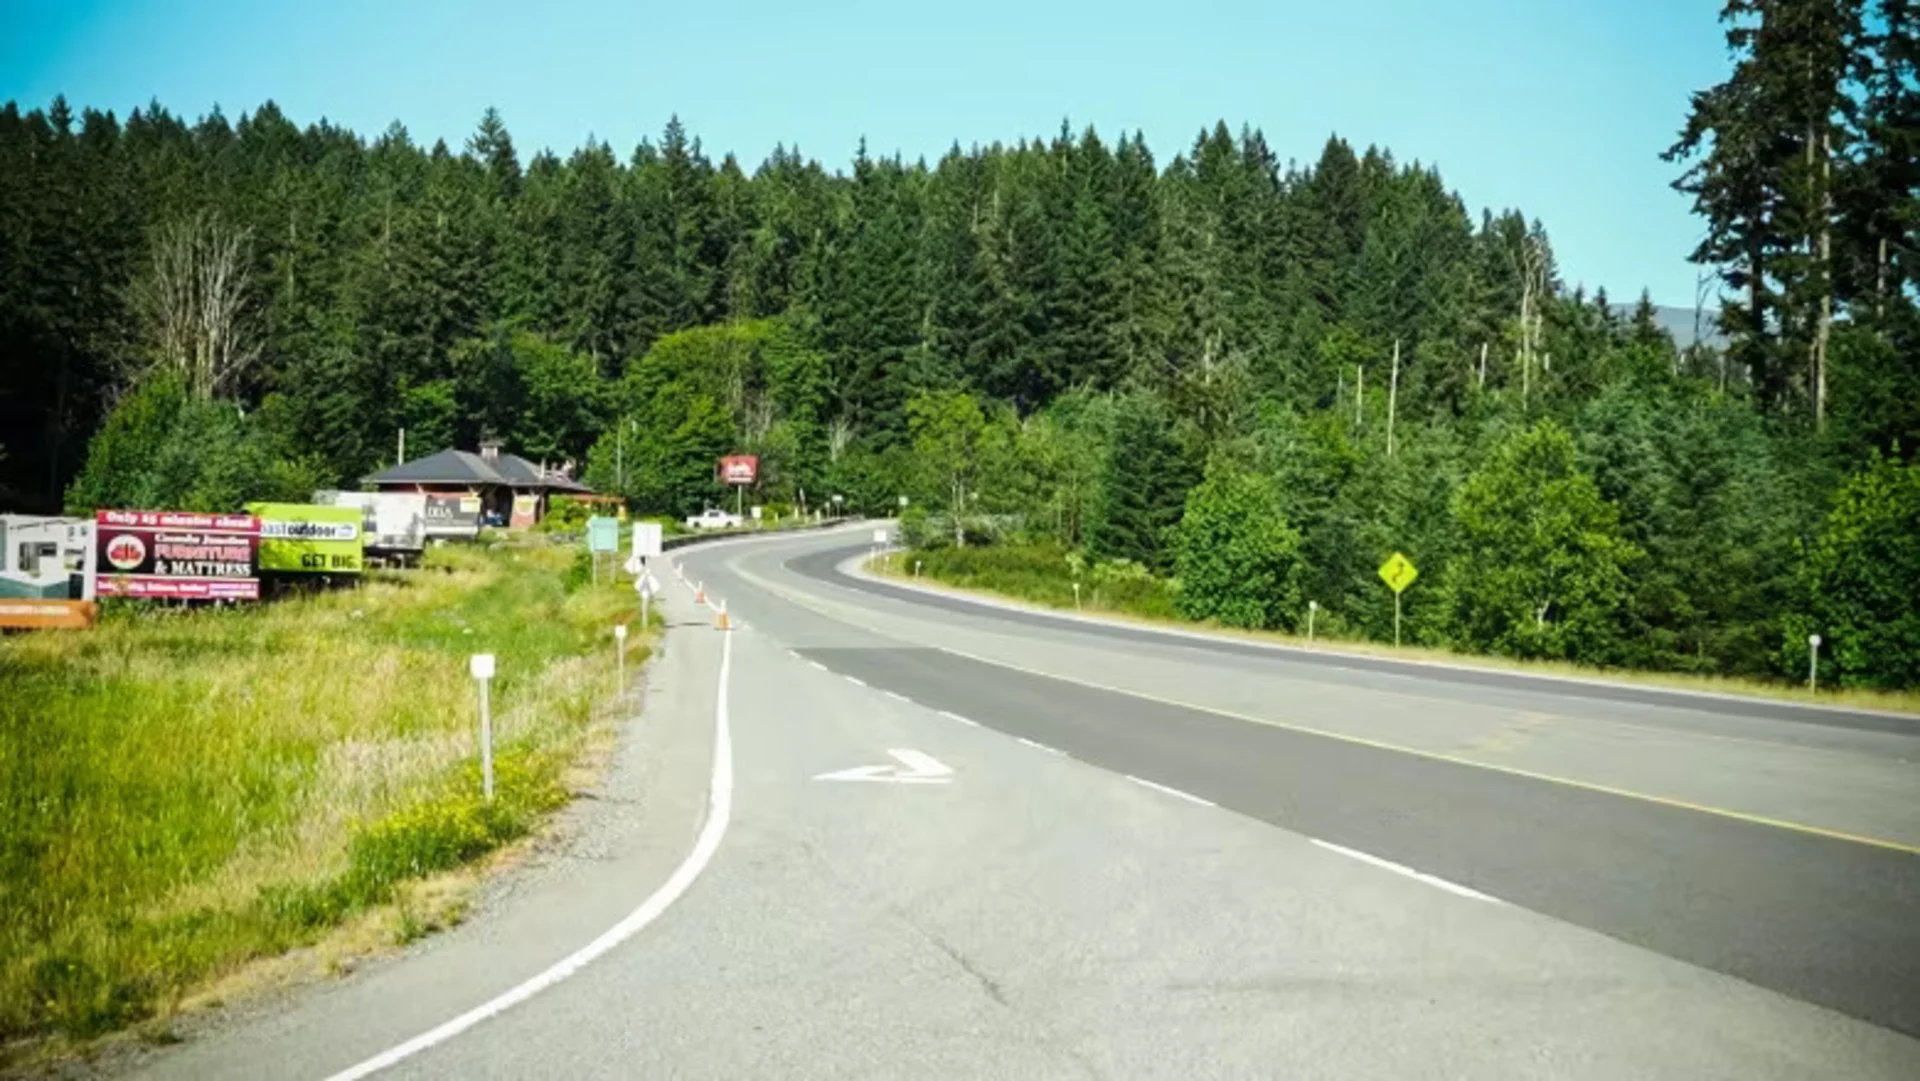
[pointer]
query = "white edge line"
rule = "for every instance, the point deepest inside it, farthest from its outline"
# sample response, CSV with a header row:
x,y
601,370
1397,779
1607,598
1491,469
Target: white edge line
x,y
719,812
1401,869
896,696
816,664
1175,792
1039,746
855,680
952,716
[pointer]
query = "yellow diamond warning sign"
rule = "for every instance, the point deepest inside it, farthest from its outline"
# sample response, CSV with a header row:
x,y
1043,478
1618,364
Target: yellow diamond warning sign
x,y
1398,572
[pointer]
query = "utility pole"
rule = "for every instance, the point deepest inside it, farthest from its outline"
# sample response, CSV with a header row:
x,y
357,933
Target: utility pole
x,y
1393,395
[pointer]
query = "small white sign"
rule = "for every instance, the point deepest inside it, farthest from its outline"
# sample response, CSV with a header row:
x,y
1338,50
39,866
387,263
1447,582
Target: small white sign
x,y
646,539
1813,640
620,631
482,666
879,536
647,585
756,513
634,565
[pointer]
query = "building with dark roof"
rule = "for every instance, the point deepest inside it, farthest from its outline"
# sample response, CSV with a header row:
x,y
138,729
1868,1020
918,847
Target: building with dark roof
x,y
511,489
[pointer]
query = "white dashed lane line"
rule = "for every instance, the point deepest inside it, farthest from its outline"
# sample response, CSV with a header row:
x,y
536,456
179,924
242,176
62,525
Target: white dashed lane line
x,y
1175,792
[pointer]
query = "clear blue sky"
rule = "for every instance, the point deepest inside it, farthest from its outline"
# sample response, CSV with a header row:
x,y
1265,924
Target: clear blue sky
x,y
1559,107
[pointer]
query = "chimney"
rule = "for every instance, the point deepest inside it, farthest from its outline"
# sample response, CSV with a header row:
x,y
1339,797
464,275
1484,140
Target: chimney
x,y
490,451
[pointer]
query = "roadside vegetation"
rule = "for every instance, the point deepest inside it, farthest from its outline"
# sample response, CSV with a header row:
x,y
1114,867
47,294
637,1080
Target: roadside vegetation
x,y
184,791
1043,574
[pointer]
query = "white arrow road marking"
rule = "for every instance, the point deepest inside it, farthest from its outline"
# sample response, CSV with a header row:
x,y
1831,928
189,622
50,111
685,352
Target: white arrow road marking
x,y
916,767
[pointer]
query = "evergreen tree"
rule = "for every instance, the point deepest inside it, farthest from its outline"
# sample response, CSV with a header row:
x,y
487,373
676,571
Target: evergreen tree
x,y
1143,492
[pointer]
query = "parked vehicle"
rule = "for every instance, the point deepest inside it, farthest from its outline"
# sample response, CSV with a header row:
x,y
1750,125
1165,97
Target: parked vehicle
x,y
714,518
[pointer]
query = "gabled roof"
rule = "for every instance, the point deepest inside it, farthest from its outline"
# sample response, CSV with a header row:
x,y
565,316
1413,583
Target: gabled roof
x,y
463,467
444,467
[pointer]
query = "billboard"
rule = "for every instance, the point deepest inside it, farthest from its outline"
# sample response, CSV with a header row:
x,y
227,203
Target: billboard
x,y
304,538
46,557
453,516
526,511
391,521
739,469
31,614
175,555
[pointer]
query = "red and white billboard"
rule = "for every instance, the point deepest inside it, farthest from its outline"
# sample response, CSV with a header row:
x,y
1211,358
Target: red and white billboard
x,y
739,469
177,555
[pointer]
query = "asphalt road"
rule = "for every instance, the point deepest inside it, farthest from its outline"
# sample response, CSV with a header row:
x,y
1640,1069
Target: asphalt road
x,y
1121,854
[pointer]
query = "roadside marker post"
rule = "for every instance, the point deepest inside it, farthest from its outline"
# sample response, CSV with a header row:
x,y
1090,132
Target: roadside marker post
x,y
1313,609
1813,662
1076,594
620,656
482,667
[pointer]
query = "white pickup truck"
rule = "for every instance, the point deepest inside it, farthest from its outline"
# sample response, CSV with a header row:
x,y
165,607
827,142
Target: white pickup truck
x,y
714,518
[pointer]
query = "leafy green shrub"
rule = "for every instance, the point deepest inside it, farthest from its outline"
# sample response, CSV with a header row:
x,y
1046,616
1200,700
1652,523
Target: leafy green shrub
x,y
1856,584
1238,559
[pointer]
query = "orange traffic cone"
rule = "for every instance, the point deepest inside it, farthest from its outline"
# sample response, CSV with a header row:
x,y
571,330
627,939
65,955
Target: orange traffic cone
x,y
720,619
700,593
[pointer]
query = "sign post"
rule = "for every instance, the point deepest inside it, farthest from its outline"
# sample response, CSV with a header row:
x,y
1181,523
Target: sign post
x,y
620,655
1813,662
482,667
1398,572
741,471
603,535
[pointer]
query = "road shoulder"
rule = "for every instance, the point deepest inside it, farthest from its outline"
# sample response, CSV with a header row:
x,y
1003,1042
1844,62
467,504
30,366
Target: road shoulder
x,y
621,838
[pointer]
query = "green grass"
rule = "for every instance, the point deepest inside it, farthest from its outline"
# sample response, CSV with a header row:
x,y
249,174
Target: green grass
x,y
1041,574
183,791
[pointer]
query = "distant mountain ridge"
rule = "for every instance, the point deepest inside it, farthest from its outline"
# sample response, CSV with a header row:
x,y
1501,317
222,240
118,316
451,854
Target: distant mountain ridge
x,y
1679,323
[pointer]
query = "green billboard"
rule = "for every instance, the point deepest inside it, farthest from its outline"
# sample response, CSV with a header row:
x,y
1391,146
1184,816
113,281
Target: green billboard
x,y
303,538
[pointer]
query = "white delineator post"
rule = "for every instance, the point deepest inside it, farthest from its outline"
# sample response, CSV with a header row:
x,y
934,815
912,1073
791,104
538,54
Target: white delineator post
x,y
1313,609
482,667
1076,594
620,656
1813,662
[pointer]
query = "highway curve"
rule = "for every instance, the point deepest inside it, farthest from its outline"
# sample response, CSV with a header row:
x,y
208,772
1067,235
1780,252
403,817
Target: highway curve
x,y
968,841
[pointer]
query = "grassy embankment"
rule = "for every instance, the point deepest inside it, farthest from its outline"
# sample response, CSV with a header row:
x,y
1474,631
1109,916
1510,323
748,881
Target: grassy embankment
x,y
1040,574
182,792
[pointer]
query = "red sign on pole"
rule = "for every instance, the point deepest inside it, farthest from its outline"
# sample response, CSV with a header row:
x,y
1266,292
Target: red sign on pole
x,y
742,469
177,555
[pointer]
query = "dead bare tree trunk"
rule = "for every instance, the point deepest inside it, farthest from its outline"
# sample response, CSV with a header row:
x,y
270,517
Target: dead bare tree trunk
x,y
839,434
196,302
1824,327
1393,395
